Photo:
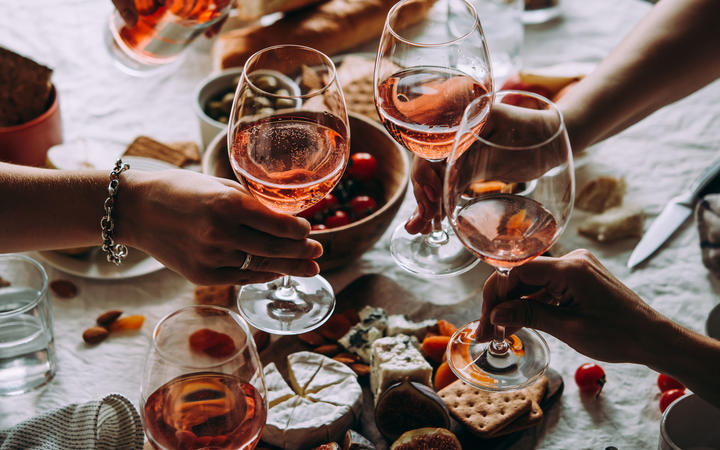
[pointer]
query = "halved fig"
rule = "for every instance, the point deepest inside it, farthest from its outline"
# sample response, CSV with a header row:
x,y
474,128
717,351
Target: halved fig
x,y
408,405
356,441
426,439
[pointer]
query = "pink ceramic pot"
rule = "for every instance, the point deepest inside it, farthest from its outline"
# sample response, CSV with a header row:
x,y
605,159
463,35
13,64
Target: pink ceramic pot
x,y
29,142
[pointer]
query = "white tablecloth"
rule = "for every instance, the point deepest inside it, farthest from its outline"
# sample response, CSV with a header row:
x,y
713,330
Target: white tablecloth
x,y
658,158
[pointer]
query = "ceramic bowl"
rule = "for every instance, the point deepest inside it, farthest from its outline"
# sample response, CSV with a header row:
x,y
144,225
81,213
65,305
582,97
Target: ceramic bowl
x,y
344,244
690,423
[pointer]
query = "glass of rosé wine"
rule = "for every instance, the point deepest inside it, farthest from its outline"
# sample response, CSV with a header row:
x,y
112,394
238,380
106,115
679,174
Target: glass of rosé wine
x,y
289,147
508,193
426,73
164,28
203,384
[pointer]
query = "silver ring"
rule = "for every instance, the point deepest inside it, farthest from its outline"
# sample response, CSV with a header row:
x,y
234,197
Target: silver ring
x,y
246,263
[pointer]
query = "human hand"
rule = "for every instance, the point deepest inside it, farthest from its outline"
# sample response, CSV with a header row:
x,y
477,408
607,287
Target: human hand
x,y
577,300
427,178
130,11
202,227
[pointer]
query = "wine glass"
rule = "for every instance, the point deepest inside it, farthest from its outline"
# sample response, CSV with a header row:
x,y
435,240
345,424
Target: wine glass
x,y
427,71
289,146
203,384
508,195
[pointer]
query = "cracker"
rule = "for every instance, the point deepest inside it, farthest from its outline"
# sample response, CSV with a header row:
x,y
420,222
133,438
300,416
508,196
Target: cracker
x,y
221,295
24,88
189,149
356,78
536,392
600,194
150,148
484,413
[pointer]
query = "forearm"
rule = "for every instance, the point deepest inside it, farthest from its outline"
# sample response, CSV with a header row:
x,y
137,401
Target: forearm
x,y
46,209
690,357
672,52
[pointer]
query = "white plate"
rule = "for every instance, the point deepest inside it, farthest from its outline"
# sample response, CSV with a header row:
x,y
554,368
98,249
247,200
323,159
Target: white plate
x,y
94,264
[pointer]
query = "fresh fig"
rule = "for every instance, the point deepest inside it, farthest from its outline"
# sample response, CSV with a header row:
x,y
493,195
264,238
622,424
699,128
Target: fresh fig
x,y
356,441
408,405
427,438
328,446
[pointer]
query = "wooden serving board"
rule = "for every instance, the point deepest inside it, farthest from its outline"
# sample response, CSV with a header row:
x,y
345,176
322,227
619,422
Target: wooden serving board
x,y
381,291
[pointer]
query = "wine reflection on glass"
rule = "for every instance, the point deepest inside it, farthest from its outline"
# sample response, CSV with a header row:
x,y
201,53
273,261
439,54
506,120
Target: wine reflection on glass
x,y
426,73
203,384
289,148
508,195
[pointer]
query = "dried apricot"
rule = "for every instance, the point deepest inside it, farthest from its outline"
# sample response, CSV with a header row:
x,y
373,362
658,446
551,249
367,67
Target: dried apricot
x,y
444,376
434,347
335,327
212,343
127,323
445,328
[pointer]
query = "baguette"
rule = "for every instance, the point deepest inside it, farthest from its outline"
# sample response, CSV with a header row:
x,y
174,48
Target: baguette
x,y
254,9
329,27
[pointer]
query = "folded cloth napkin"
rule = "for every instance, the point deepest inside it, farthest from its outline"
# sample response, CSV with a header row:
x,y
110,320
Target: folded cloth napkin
x,y
707,213
111,423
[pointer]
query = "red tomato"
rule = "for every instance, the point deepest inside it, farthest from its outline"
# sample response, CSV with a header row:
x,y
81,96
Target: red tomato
x,y
338,219
315,212
318,226
362,166
666,383
330,202
590,378
670,396
362,206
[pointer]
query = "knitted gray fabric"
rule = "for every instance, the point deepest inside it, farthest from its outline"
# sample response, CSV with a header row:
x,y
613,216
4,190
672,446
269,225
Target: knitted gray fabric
x,y
707,213
109,424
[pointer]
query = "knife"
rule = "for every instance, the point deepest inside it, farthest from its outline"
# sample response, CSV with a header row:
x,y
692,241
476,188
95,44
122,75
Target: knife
x,y
672,216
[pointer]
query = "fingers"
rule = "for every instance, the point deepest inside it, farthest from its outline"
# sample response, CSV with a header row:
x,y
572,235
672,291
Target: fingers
x,y
261,244
418,223
527,313
233,275
297,267
126,9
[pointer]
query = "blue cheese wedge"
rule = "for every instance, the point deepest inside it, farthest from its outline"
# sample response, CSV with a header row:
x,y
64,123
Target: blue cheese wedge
x,y
277,389
393,359
399,324
372,326
326,399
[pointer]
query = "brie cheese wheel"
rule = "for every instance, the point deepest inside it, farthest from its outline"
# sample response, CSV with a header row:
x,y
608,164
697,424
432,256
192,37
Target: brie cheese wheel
x,y
399,324
325,401
393,359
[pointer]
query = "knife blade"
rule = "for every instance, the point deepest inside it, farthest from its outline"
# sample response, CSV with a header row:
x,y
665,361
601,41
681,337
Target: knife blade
x,y
674,214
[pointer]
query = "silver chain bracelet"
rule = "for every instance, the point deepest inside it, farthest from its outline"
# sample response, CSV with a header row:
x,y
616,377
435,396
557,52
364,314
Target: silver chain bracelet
x,y
115,252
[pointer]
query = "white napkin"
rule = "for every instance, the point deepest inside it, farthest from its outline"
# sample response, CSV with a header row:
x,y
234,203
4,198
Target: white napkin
x,y
111,423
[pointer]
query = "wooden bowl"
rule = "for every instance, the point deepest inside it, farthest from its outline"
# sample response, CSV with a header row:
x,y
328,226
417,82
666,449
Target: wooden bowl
x,y
342,245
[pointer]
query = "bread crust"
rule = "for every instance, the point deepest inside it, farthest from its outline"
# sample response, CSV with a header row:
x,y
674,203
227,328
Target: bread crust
x,y
254,9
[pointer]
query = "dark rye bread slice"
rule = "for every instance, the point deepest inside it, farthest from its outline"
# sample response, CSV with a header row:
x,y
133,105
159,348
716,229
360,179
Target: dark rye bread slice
x,y
24,88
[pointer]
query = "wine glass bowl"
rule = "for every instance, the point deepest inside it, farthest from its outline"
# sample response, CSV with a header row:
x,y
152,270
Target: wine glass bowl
x,y
289,150
203,384
427,71
508,193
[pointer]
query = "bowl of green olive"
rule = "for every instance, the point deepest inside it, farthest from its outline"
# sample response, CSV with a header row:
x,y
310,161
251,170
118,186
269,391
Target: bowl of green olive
x,y
214,97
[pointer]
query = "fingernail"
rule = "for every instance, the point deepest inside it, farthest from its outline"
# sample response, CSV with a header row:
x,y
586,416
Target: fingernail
x,y
430,193
502,315
313,270
318,249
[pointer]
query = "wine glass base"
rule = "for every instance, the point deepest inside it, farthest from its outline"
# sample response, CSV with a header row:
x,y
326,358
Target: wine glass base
x,y
415,254
472,362
276,309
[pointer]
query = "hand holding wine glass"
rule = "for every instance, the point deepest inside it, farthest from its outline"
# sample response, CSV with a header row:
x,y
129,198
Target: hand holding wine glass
x,y
429,67
290,148
508,196
203,384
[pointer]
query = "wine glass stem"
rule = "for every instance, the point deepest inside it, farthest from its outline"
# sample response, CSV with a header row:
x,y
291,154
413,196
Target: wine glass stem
x,y
437,236
286,289
499,346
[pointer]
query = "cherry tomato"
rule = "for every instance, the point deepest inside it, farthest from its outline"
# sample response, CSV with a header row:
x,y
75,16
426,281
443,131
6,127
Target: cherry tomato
x,y
315,212
666,383
318,227
338,219
362,166
590,378
362,206
670,396
330,202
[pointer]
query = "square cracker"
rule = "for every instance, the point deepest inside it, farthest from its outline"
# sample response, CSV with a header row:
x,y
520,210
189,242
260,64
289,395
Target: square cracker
x,y
484,413
150,148
536,392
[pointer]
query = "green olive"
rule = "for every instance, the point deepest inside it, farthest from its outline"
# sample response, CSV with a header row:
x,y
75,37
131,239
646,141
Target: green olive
x,y
282,103
262,102
267,83
227,101
266,111
213,109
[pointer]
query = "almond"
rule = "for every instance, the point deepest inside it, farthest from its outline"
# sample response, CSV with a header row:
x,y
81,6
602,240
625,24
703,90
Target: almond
x,y
105,319
64,288
360,369
344,359
328,350
312,338
94,335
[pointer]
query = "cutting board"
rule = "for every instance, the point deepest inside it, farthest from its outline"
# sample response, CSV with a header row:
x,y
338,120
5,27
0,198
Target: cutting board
x,y
381,291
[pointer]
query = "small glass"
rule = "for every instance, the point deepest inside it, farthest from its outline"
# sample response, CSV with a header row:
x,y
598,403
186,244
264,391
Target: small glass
x,y
203,384
27,349
163,30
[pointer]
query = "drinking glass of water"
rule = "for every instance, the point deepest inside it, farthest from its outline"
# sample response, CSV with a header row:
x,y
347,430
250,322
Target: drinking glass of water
x,y
27,352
